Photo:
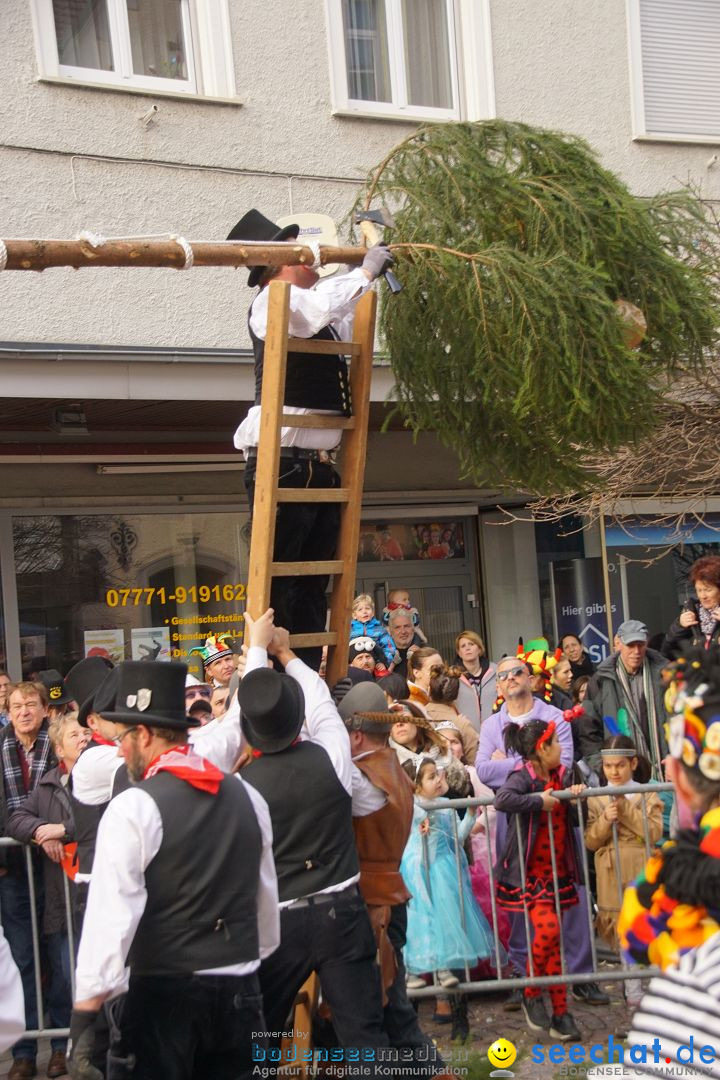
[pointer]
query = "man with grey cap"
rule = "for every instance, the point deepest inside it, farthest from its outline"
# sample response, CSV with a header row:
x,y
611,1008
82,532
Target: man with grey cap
x,y
629,679
380,838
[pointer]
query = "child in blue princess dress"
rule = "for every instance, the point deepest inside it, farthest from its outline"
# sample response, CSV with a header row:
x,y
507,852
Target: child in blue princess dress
x,y
443,932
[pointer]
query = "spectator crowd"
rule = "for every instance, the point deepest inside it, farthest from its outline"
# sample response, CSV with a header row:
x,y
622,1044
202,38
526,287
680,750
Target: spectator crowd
x,y
119,782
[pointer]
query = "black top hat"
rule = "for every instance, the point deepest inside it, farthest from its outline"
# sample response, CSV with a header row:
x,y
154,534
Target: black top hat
x,y
149,693
83,679
102,698
272,709
56,688
365,708
255,226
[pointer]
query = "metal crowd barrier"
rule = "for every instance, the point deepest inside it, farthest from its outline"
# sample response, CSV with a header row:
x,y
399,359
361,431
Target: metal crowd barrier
x,y
499,982
42,1031
488,985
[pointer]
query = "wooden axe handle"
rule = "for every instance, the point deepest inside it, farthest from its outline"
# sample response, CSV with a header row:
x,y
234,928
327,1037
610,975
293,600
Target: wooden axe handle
x,y
371,233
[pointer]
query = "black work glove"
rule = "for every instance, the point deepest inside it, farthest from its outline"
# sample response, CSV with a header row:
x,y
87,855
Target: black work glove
x,y
378,260
82,1036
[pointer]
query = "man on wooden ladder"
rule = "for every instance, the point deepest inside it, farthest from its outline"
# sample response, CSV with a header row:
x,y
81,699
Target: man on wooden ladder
x,y
322,310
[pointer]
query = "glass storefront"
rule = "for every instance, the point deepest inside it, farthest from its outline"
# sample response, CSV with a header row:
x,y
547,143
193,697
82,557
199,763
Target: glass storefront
x,y
126,586
152,585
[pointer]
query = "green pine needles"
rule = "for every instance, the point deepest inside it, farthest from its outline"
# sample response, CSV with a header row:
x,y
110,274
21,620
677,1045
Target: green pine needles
x,y
513,245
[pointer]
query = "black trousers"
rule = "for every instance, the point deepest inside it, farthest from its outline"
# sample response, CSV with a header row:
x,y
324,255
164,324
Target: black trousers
x,y
303,531
400,1021
188,1027
335,939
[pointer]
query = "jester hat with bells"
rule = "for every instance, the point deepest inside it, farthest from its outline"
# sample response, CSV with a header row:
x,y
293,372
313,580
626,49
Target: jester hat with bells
x,y
216,646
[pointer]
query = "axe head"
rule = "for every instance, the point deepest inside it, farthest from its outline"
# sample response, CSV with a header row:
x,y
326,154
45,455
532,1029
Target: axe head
x,y
377,217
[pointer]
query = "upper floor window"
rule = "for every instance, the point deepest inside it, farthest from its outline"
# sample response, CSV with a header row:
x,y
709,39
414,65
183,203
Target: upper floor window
x,y
675,73
167,45
418,59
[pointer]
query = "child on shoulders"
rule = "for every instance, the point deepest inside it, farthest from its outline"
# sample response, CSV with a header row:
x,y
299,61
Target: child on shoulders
x,y
365,624
399,600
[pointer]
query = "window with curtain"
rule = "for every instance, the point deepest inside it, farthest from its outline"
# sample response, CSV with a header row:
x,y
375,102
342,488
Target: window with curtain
x,y
177,46
674,50
83,34
157,38
427,53
397,55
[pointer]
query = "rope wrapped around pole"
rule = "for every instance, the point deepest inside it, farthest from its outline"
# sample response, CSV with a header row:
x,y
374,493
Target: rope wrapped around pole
x,y
169,253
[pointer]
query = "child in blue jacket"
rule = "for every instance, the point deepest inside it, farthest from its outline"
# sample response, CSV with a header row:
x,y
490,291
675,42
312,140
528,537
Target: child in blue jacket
x,y
365,624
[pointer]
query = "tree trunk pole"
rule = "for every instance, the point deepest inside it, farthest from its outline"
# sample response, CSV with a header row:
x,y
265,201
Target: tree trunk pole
x,y
95,251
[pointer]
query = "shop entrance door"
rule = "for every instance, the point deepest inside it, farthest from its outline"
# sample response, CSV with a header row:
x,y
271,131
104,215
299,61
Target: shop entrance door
x,y
446,601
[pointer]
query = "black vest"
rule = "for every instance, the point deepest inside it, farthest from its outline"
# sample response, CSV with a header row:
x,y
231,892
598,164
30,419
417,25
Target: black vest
x,y
87,820
311,812
311,382
201,909
121,780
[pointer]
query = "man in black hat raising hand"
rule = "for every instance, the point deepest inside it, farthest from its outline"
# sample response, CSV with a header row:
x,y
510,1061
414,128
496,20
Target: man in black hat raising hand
x,y
310,786
183,891
318,309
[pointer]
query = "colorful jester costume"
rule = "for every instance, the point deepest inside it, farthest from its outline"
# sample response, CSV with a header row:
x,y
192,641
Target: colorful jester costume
x,y
216,646
541,661
674,906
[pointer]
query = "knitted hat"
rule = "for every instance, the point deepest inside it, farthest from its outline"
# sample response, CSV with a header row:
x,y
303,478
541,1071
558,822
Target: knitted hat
x,y
693,699
365,644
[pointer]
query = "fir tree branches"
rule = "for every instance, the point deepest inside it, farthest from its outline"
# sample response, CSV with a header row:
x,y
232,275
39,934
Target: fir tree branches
x,y
506,340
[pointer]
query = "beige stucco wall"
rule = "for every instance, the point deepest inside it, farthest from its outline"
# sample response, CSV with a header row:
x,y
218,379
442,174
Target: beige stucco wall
x,y
565,64
75,158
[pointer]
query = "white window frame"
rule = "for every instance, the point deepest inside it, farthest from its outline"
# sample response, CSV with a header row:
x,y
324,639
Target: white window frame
x,y
637,89
206,27
470,65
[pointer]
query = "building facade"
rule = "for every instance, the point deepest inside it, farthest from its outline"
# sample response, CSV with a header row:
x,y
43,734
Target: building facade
x,y
123,519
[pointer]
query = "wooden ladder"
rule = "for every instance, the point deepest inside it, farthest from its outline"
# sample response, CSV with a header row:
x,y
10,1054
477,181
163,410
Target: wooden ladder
x,y
343,567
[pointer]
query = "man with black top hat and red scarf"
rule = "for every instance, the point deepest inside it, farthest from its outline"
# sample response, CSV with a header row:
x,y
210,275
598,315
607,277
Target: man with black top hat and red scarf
x,y
184,893
320,309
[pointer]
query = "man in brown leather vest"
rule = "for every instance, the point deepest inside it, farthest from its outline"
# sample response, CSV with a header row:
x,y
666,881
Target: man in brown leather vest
x,y
380,838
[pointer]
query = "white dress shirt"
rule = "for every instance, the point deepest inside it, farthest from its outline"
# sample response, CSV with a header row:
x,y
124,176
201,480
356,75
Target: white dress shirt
x,y
12,1002
329,303
128,839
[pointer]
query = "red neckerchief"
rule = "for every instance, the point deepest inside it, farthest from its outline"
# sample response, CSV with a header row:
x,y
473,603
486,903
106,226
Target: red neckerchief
x,y
101,741
185,763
